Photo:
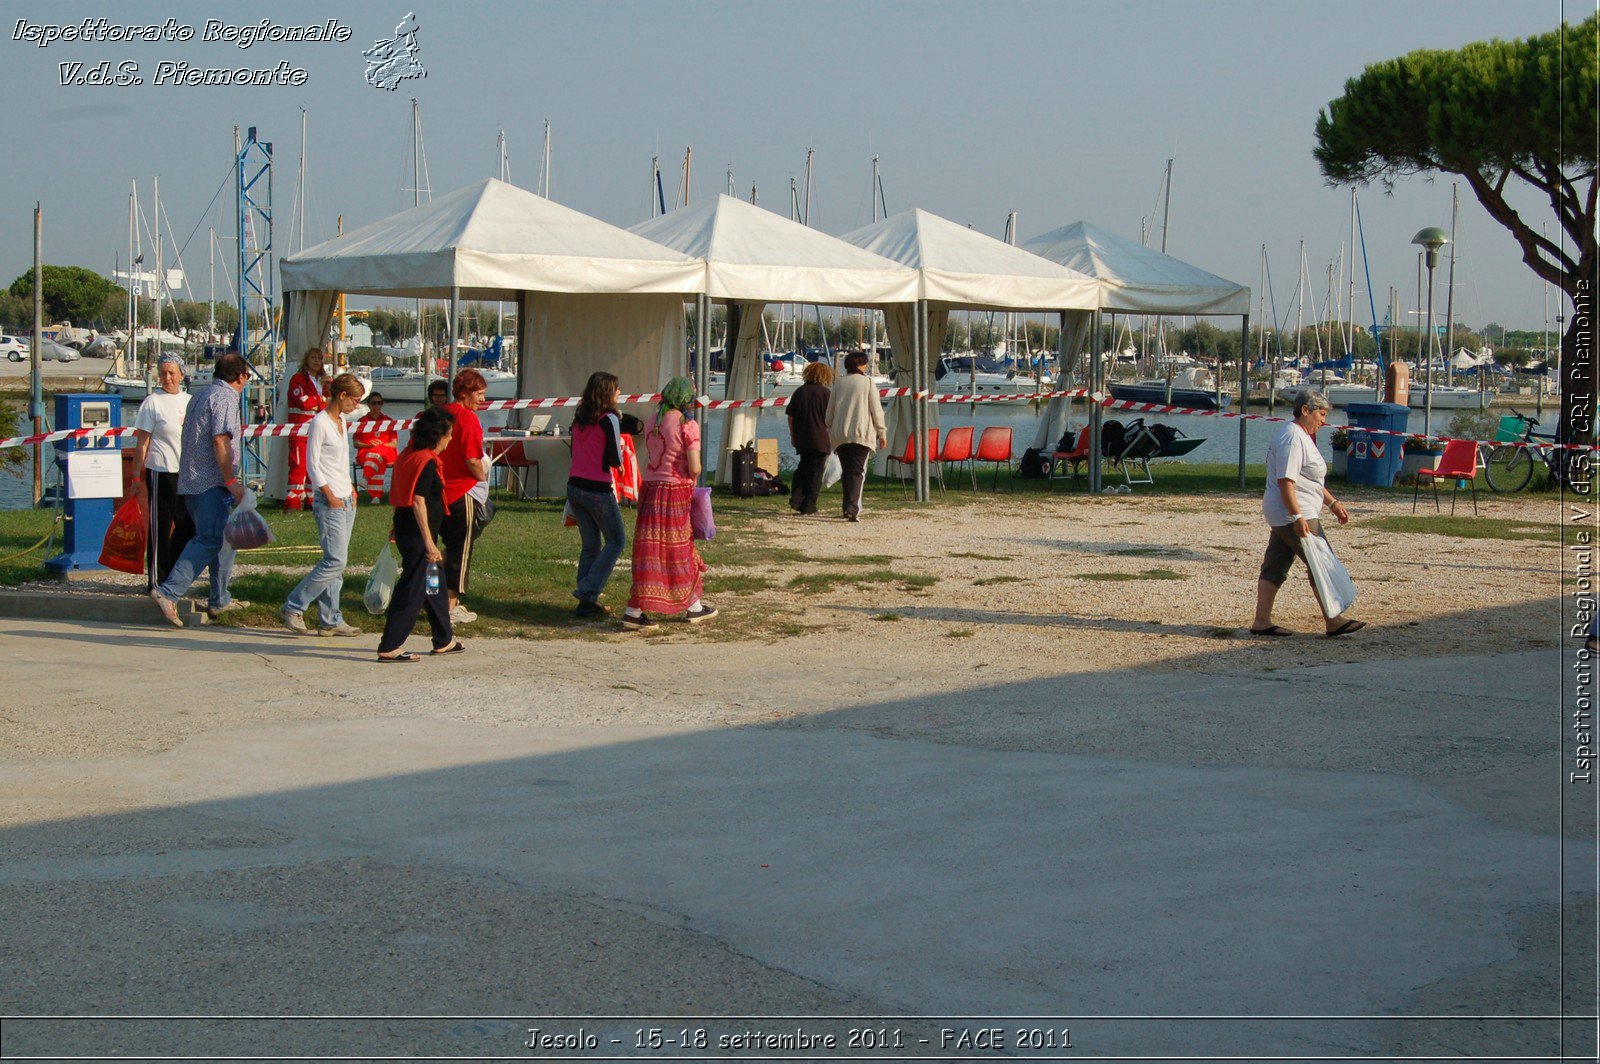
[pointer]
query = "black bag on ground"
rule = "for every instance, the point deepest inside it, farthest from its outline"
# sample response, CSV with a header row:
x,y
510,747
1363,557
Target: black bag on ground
x,y
1035,464
1165,435
1113,438
742,472
766,483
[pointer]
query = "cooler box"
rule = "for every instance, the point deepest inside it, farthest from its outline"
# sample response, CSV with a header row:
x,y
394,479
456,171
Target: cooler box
x,y
1375,458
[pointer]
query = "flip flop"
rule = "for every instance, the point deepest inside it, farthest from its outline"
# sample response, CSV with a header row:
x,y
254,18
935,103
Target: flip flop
x,y
458,648
1271,629
1347,627
406,659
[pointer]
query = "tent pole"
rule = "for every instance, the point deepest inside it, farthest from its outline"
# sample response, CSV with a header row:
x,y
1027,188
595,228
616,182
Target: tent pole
x,y
922,402
702,360
1096,382
455,329
1244,390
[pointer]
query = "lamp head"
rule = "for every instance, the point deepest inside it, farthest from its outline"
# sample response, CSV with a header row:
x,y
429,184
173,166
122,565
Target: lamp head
x,y
1432,238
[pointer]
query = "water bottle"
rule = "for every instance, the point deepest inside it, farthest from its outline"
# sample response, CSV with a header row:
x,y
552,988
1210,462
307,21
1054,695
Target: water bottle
x,y
433,578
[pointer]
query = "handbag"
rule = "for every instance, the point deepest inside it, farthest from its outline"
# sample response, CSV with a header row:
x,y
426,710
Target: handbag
x,y
127,537
1335,590
380,585
702,522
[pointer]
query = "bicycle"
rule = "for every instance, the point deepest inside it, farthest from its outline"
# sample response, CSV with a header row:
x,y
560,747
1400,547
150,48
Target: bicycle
x,y
1509,467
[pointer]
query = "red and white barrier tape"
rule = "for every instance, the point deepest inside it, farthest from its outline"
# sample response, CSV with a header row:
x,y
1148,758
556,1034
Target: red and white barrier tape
x,y
707,403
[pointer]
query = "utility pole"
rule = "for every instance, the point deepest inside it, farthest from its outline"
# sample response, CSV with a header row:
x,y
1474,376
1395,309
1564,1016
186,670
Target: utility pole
x,y
36,390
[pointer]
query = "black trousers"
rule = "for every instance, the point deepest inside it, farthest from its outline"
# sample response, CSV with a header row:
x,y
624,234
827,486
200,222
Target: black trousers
x,y
171,527
853,457
807,483
457,535
411,595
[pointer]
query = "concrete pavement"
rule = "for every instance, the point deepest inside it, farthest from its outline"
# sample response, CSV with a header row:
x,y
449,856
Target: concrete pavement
x,y
597,829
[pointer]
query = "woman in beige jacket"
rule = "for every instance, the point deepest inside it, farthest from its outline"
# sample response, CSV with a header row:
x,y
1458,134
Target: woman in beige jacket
x,y
855,425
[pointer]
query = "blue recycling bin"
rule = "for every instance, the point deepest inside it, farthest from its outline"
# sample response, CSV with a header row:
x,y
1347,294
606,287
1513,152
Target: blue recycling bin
x,y
90,489
1375,457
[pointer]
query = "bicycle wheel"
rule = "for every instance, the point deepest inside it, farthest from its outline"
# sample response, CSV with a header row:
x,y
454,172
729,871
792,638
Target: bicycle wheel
x,y
1508,468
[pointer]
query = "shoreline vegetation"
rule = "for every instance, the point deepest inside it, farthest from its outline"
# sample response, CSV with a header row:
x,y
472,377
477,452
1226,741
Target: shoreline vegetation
x,y
1003,571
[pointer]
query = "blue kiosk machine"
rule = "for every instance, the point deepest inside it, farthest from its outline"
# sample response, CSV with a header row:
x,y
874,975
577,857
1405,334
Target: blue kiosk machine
x,y
91,478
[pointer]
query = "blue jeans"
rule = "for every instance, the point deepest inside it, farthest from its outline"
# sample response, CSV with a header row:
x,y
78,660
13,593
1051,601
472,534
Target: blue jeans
x,y
598,517
209,511
321,586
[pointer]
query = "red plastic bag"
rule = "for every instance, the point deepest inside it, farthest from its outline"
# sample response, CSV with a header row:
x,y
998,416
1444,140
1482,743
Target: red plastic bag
x,y
127,537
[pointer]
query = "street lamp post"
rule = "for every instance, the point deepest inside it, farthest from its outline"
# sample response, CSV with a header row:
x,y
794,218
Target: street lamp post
x,y
1431,240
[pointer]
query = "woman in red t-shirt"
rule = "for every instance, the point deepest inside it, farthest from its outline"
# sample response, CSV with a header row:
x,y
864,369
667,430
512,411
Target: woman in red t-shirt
x,y
464,468
416,491
667,570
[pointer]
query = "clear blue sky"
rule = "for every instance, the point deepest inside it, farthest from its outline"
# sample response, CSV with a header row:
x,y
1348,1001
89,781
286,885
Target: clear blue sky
x,y
1059,110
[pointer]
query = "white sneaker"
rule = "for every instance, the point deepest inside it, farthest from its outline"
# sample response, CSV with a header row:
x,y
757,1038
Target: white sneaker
x,y
462,615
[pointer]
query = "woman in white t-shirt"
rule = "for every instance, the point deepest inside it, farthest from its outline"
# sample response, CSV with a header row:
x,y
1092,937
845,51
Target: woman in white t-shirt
x,y
158,430
1292,504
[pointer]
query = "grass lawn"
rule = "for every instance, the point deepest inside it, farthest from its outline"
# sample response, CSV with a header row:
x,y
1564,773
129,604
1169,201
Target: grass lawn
x,y
525,565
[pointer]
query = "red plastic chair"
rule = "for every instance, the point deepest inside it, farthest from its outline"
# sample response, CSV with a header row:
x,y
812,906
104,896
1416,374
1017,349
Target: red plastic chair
x,y
1459,462
908,458
512,454
958,449
995,446
1070,460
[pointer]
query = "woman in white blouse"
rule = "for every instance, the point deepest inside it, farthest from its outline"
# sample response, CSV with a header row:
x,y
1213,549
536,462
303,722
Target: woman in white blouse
x,y
158,430
333,503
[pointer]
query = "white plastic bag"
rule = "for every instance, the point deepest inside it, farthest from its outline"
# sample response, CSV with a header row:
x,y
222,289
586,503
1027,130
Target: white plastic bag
x,y
247,529
1335,590
380,585
832,472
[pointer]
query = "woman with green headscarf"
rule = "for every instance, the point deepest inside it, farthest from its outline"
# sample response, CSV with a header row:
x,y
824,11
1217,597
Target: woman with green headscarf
x,y
667,570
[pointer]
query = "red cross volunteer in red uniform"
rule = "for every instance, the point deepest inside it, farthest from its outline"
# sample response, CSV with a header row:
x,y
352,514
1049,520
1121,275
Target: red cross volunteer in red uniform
x,y
306,401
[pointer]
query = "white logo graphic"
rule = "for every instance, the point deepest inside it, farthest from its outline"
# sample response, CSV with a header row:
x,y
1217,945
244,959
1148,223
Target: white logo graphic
x,y
393,61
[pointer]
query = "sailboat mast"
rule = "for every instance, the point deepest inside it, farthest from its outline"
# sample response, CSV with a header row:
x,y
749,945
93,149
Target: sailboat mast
x,y
416,201
131,348
1166,207
155,353
1350,338
805,218
546,178
1450,283
300,185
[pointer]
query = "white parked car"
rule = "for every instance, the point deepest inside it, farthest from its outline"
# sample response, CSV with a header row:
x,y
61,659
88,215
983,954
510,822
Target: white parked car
x,y
13,347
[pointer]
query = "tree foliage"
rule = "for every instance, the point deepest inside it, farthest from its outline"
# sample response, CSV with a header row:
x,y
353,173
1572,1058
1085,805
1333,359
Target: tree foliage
x,y
71,293
1493,112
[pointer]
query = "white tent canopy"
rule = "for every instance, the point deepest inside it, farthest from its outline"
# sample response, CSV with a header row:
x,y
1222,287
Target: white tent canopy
x,y
1137,279
754,255
965,268
590,295
961,267
486,240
